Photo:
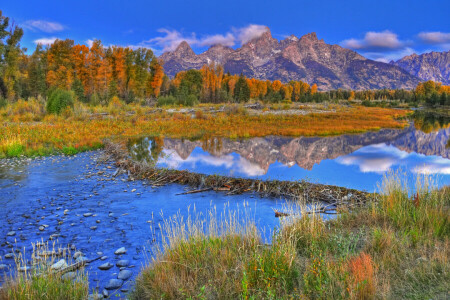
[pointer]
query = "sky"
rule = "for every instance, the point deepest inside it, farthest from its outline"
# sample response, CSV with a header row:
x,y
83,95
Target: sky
x,y
378,29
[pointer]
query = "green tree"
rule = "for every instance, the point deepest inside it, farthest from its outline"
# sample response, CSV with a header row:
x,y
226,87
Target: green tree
x,y
37,71
242,90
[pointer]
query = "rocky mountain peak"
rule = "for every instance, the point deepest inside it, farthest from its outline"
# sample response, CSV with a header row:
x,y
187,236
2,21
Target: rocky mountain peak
x,y
427,66
184,50
309,37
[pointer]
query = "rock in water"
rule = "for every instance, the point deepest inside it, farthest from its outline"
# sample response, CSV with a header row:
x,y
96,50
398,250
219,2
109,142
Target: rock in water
x,y
124,275
69,276
61,264
123,263
114,284
120,251
105,266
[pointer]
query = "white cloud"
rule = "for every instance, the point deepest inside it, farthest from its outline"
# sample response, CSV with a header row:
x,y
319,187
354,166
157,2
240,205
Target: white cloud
x,y
250,32
375,40
435,37
172,38
45,26
45,41
218,39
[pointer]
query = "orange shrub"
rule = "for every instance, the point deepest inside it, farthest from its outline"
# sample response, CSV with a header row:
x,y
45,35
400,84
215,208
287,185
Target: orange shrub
x,y
362,281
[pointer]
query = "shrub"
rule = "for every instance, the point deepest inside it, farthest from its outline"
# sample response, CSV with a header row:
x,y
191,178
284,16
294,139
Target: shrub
x,y
166,100
190,100
59,100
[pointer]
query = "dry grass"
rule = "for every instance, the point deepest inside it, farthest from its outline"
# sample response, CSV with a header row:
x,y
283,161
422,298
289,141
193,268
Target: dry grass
x,y
86,127
36,279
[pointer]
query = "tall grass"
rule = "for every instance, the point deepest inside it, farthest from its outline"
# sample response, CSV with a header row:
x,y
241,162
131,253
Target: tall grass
x,y
397,247
36,279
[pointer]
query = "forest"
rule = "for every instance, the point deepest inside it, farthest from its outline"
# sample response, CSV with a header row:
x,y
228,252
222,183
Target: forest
x,y
94,75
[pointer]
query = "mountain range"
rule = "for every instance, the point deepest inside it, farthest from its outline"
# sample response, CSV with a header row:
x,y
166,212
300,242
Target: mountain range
x,y
311,60
428,66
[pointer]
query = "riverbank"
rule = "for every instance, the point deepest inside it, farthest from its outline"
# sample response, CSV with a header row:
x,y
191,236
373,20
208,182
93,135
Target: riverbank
x,y
27,130
395,248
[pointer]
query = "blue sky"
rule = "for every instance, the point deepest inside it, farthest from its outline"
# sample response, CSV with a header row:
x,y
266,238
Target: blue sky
x,y
382,30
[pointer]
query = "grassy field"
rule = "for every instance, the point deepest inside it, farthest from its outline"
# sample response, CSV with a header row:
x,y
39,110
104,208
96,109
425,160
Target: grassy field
x,y
397,248
27,130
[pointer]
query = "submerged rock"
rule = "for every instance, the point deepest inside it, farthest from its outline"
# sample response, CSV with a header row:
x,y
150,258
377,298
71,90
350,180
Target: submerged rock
x,y
106,266
122,263
125,274
114,284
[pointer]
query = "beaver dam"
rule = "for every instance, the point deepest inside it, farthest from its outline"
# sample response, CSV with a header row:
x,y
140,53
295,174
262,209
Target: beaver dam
x,y
333,196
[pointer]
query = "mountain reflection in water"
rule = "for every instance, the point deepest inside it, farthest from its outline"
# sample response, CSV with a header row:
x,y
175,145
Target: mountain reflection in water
x,y
354,161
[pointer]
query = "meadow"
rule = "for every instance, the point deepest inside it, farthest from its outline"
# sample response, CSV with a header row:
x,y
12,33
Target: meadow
x,y
27,129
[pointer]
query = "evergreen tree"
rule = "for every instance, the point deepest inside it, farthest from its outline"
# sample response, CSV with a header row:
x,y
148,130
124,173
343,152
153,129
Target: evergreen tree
x,y
241,90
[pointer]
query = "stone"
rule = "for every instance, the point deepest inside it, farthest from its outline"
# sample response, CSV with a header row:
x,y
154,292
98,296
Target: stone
x,y
95,296
105,293
82,259
114,284
120,251
122,263
103,257
93,227
87,214
11,233
3,267
41,228
61,264
69,276
9,255
77,254
124,274
106,266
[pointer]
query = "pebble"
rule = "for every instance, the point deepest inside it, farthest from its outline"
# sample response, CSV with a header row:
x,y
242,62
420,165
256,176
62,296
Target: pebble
x,y
124,274
105,293
77,254
106,266
11,233
41,228
120,251
103,257
114,284
123,263
93,227
87,214
9,255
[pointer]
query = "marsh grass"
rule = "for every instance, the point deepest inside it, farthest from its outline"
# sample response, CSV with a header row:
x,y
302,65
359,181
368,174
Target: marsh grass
x,y
395,248
36,279
86,127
